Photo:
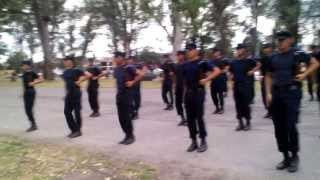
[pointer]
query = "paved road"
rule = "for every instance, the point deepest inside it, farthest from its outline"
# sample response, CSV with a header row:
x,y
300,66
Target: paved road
x,y
231,155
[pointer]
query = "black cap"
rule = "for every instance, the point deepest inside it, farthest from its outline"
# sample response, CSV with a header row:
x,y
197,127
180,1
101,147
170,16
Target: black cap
x,y
282,35
191,46
70,57
27,62
181,52
241,46
119,54
91,59
266,45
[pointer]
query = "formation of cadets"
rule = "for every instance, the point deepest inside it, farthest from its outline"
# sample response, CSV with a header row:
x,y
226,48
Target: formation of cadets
x,y
184,84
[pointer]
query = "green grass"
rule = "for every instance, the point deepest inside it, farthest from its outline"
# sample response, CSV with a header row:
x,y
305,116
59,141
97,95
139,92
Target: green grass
x,y
22,159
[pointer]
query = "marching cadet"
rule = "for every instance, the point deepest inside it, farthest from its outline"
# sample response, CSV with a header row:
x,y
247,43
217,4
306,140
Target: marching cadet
x,y
310,78
284,92
126,77
314,50
73,78
93,87
195,76
29,80
179,86
167,82
242,69
136,88
267,52
219,85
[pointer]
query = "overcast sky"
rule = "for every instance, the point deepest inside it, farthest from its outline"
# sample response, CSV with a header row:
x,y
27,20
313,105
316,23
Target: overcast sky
x,y
153,36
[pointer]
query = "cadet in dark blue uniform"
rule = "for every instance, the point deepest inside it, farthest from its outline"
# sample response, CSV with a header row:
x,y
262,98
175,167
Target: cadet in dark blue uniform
x,y
167,88
242,69
126,77
283,83
73,77
93,87
219,84
267,52
29,79
179,86
136,88
195,76
314,51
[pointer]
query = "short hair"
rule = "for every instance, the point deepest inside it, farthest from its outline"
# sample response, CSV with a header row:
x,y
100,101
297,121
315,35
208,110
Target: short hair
x,y
181,52
69,58
119,54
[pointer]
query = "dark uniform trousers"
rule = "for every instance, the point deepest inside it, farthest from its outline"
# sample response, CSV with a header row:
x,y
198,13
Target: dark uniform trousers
x,y
179,93
136,98
264,94
252,90
93,98
73,105
310,85
285,112
29,98
217,96
242,97
167,89
124,102
194,102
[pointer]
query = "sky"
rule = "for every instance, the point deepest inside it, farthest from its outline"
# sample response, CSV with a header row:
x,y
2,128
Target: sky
x,y
153,36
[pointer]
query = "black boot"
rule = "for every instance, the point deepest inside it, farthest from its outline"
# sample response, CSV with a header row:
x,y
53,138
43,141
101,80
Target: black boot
x,y
248,125
216,111
285,163
75,134
240,127
130,140
221,111
203,146
32,128
183,121
294,164
193,146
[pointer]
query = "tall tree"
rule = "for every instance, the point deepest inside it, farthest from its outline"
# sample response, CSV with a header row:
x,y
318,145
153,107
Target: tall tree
x,y
173,10
124,19
221,21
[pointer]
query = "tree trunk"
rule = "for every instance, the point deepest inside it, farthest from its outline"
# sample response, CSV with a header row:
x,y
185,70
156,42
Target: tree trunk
x,y
42,25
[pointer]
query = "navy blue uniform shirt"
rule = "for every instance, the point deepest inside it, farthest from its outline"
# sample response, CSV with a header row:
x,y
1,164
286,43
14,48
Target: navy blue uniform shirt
x,y
28,77
123,74
284,66
71,76
179,75
95,71
167,67
221,64
240,69
194,71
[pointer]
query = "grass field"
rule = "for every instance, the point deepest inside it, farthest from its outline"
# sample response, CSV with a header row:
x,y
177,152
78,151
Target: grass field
x,y
24,160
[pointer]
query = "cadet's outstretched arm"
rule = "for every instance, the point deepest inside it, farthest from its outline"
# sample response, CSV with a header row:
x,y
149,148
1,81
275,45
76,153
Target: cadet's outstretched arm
x,y
268,86
314,65
37,81
83,78
256,68
215,72
137,78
